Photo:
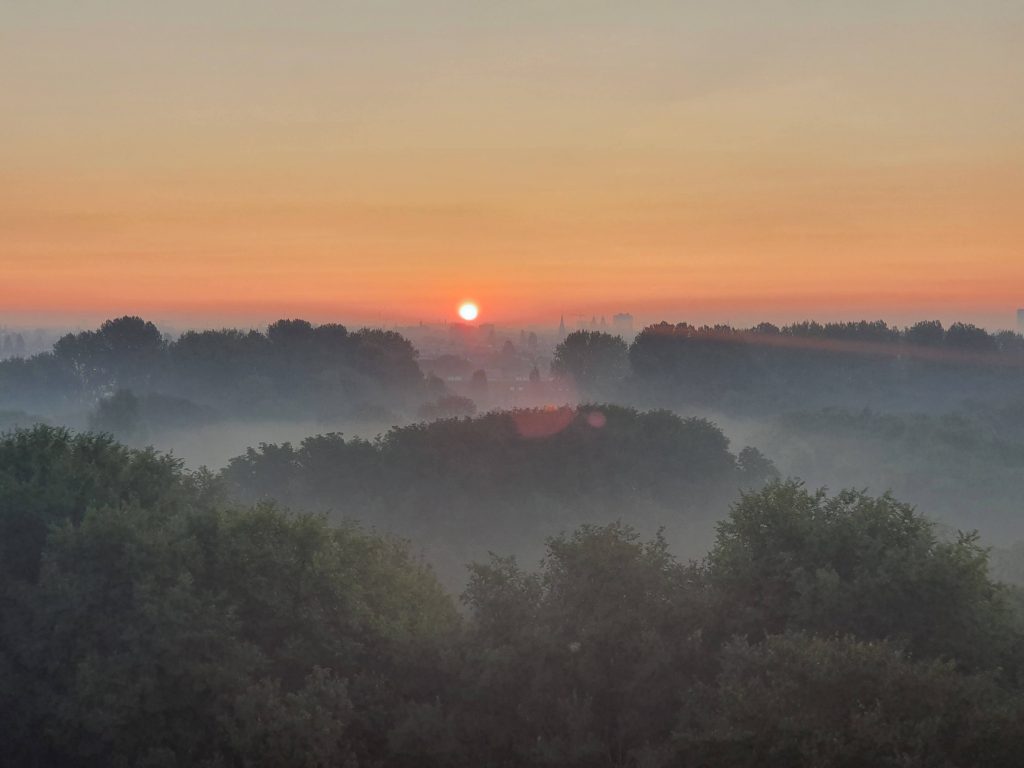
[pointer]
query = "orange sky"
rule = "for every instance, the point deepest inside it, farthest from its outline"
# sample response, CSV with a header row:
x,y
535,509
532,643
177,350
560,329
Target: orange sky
x,y
383,161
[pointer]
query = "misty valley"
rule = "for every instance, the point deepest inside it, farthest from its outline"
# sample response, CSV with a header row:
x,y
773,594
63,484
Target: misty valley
x,y
487,384
307,545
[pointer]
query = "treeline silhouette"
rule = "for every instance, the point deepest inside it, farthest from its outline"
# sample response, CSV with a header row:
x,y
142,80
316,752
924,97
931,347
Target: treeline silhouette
x,y
147,621
459,487
295,369
767,368
136,382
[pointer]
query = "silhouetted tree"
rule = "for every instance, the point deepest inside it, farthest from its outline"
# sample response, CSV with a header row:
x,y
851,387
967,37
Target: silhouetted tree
x,y
969,337
595,361
927,333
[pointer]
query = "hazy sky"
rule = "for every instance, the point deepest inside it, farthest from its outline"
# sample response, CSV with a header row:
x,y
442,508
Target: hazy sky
x,y
384,160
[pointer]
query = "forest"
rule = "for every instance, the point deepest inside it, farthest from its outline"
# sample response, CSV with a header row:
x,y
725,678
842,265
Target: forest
x,y
293,368
795,546
461,487
149,620
489,384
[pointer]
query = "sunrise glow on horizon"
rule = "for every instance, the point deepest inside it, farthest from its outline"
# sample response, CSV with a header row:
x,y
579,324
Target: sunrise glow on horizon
x,y
373,161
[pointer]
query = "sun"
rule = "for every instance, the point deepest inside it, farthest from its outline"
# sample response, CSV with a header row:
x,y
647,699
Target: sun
x,y
468,311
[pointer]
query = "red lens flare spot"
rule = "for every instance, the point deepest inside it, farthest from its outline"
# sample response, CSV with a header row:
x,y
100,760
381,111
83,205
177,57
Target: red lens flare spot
x,y
543,422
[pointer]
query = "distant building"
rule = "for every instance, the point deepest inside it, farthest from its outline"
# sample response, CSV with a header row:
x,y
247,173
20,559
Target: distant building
x,y
1020,320
623,325
561,329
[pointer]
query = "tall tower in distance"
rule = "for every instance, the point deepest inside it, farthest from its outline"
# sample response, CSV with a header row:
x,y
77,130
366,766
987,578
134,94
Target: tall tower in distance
x,y
1020,320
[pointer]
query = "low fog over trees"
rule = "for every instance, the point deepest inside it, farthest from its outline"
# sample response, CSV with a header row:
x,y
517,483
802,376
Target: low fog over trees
x,y
966,466
604,581
146,620
505,480
294,369
766,368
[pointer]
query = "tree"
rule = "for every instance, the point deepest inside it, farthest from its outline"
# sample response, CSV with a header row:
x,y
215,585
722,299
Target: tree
x,y
291,334
927,333
387,357
969,337
582,662
121,353
49,477
505,478
809,702
786,559
144,622
755,469
683,364
595,361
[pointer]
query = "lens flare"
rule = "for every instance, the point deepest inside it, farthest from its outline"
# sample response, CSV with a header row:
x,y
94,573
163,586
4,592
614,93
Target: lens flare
x,y
469,311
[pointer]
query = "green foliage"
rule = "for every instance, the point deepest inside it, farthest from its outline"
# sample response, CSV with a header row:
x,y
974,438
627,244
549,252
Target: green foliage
x,y
568,666
462,487
802,701
49,476
145,623
786,559
614,654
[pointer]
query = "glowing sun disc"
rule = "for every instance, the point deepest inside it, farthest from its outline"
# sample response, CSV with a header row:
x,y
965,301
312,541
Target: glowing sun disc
x,y
468,311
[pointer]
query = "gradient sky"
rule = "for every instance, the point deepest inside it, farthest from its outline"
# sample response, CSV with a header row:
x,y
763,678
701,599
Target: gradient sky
x,y
381,160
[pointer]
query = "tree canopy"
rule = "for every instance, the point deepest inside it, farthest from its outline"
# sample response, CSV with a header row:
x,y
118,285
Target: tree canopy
x,y
293,369
146,620
462,487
